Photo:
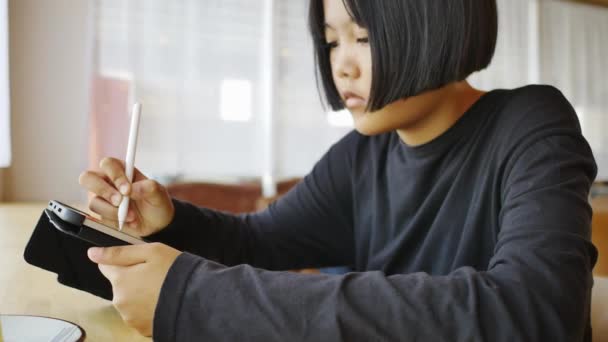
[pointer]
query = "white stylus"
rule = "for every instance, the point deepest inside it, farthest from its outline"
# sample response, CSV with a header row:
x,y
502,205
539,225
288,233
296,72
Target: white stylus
x,y
123,208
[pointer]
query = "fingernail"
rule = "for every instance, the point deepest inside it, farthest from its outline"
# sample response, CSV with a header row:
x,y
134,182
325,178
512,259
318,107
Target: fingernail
x,y
94,253
116,198
123,189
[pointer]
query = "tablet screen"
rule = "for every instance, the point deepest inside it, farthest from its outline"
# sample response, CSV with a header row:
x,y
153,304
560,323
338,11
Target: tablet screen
x,y
78,218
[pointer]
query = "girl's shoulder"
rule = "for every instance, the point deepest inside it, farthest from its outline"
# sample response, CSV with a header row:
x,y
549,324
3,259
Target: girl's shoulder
x,y
529,115
535,101
533,108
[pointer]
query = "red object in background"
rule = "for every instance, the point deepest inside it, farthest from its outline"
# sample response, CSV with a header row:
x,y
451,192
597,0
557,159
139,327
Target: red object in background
x,y
235,198
109,119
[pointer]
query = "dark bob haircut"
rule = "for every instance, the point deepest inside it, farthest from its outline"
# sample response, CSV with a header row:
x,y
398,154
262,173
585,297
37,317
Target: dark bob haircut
x,y
416,45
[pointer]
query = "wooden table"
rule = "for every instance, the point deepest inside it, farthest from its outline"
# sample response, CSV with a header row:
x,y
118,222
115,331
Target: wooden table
x,y
26,289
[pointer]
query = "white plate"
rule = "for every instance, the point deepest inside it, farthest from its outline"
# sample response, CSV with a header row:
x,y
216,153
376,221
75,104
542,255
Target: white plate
x,y
21,328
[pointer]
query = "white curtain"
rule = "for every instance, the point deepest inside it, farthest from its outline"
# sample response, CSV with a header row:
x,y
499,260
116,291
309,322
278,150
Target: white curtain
x,y
197,68
574,56
513,64
177,54
5,138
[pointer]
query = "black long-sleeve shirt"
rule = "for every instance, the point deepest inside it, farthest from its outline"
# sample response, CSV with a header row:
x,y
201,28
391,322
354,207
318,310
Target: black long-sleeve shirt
x,y
481,234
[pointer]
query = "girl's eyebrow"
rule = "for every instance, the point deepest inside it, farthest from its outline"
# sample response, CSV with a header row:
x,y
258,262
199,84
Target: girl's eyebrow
x,y
328,25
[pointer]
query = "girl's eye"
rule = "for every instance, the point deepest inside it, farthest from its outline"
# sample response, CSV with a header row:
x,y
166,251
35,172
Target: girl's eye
x,y
331,45
334,44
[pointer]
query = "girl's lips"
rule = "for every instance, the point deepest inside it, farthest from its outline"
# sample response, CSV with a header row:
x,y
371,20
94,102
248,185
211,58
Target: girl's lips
x,y
355,101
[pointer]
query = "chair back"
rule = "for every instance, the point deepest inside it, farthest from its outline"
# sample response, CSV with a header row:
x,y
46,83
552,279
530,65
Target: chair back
x,y
599,309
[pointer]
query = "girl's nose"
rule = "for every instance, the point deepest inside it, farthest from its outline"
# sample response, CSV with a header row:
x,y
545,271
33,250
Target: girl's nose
x,y
346,65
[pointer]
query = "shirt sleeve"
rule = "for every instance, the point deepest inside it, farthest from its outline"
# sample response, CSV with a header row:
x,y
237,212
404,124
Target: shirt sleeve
x,y
536,287
311,226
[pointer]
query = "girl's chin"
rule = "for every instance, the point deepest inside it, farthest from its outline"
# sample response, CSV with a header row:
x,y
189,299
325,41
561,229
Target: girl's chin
x,y
365,127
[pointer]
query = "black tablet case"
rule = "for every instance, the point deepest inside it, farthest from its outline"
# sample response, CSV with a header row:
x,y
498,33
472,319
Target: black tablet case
x,y
66,255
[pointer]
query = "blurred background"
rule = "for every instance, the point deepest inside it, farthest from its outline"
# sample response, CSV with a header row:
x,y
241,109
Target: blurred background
x,y
228,87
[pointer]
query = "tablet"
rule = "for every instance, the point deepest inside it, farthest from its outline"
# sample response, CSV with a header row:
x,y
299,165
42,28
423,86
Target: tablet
x,y
77,223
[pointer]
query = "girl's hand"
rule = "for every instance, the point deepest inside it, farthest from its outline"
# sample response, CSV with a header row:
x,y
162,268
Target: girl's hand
x,y
150,207
137,274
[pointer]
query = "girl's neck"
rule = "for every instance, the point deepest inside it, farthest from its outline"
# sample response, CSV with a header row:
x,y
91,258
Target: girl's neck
x,y
450,102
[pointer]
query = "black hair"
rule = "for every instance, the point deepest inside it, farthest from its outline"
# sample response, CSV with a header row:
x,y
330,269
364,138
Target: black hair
x,y
416,45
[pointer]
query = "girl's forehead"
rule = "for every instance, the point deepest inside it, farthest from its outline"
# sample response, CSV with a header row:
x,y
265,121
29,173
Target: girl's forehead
x,y
338,18
336,15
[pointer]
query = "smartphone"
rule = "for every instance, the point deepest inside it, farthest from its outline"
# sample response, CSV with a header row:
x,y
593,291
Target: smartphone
x,y
84,226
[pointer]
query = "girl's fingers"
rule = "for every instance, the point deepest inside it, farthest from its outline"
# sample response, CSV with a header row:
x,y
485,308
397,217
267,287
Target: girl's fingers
x,y
97,183
115,170
151,191
107,211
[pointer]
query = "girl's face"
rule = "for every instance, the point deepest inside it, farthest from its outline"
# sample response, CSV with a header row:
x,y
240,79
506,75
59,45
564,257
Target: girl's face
x,y
349,56
417,119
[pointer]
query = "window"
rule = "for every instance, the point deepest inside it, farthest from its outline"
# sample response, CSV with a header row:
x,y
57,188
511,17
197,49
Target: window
x,y
5,138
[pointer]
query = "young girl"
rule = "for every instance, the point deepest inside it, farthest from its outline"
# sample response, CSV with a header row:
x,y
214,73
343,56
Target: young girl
x,y
463,213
